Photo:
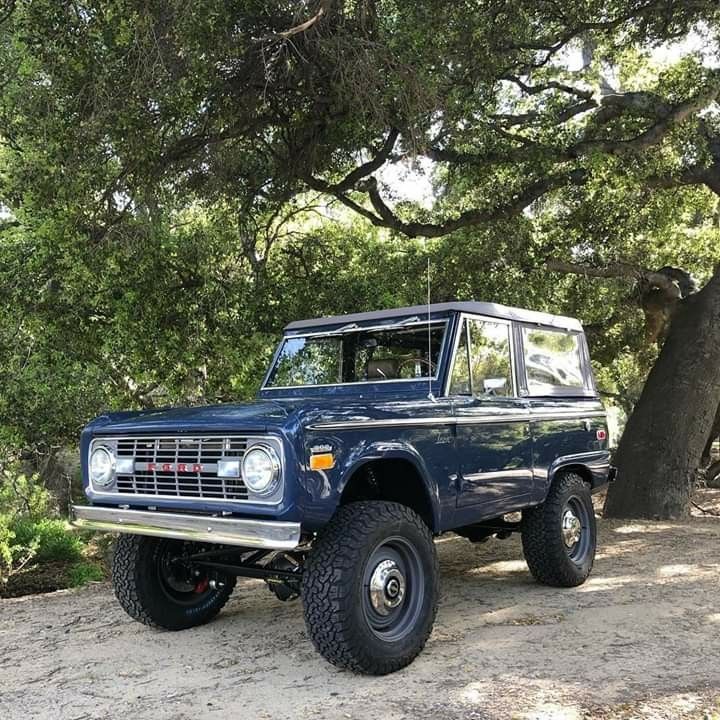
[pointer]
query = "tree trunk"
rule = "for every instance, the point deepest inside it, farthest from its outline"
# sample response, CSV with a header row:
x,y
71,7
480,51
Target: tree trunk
x,y
712,437
661,447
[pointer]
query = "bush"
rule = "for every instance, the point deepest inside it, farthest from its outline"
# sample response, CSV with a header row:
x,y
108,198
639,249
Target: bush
x,y
51,540
23,496
84,572
27,532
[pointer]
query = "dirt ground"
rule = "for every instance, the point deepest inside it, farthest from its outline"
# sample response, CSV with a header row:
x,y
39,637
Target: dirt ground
x,y
641,639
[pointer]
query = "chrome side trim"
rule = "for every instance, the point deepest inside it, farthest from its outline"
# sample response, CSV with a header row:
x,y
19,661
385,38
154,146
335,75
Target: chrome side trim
x,y
520,473
395,422
267,534
574,415
456,420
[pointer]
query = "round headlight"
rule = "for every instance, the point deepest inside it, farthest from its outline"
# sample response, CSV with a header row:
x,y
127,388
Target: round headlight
x,y
102,466
260,469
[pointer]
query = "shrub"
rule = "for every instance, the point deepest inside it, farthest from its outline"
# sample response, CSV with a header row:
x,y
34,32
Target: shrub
x,y
84,572
51,540
27,533
23,496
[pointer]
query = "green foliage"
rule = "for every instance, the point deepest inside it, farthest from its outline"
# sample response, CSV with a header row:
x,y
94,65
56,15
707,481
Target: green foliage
x,y
48,539
157,162
84,572
27,534
23,496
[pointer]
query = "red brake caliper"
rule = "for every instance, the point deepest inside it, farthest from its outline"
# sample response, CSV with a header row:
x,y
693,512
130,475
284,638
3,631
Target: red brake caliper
x,y
202,585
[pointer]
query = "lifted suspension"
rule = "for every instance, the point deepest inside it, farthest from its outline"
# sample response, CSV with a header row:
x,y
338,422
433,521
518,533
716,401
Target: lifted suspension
x,y
282,570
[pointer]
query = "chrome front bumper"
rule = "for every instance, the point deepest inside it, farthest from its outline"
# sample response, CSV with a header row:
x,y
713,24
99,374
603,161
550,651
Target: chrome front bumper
x,y
268,534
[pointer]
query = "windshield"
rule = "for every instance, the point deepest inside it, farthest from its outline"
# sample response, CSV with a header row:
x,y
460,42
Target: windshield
x,y
409,352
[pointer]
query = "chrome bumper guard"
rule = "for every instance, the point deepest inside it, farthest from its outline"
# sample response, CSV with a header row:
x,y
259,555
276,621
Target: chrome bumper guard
x,y
268,534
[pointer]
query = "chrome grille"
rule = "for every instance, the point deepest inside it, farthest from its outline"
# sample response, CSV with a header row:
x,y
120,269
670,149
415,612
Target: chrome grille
x,y
181,467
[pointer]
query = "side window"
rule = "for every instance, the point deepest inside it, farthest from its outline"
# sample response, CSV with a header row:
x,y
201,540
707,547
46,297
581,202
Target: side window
x,y
483,368
552,360
490,366
460,376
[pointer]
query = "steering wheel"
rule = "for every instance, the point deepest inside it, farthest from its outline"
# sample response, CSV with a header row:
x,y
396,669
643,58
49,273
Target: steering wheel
x,y
423,361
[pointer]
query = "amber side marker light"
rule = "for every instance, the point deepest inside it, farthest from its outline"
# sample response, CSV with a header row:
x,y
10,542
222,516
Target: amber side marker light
x,y
322,461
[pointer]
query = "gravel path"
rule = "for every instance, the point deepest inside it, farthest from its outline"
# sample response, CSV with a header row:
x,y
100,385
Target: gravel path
x,y
640,639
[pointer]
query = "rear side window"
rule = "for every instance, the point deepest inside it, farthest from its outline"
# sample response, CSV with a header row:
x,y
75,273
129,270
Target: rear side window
x,y
482,362
552,360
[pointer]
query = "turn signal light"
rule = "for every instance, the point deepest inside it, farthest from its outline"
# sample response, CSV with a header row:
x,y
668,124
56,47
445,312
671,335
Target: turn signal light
x,y
322,461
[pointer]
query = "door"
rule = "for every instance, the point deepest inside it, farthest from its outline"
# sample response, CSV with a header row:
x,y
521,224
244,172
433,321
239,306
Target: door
x,y
493,441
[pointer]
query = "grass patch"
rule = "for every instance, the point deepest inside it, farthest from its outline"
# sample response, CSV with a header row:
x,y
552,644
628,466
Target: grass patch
x,y
50,540
39,551
83,572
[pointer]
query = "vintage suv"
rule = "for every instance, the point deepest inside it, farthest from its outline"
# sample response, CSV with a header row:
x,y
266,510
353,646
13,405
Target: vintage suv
x,y
371,434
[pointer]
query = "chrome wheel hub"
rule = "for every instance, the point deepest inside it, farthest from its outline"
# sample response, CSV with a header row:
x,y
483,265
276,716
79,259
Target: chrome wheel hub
x,y
387,587
571,528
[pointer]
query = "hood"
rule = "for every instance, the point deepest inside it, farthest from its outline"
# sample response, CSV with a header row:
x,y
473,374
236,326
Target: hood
x,y
259,416
256,416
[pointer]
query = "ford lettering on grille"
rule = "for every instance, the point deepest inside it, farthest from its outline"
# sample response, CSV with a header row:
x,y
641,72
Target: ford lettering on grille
x,y
170,467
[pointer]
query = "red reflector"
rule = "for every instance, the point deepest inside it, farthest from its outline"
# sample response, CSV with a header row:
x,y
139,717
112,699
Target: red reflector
x,y
601,435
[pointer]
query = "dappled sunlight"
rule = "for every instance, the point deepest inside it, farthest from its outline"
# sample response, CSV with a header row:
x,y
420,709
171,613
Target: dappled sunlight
x,y
647,527
543,704
552,711
595,583
677,705
619,547
713,618
680,569
499,567
519,615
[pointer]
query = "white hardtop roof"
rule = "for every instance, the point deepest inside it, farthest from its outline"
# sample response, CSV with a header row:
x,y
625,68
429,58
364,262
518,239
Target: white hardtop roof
x,y
471,307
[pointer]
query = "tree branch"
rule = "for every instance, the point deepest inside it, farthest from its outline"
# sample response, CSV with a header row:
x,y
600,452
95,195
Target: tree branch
x,y
655,133
610,107
362,171
618,270
385,217
302,27
550,85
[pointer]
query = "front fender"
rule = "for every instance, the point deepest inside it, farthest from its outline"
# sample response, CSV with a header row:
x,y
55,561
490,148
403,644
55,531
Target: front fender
x,y
394,450
323,489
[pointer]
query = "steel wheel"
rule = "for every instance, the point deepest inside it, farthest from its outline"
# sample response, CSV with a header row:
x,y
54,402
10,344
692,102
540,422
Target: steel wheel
x,y
393,589
575,529
179,581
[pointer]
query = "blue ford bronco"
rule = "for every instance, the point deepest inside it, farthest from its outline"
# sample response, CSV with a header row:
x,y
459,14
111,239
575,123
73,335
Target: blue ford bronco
x,y
371,434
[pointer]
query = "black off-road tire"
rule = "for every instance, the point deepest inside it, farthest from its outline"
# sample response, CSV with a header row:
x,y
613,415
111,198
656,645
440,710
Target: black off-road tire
x,y
549,558
141,593
339,614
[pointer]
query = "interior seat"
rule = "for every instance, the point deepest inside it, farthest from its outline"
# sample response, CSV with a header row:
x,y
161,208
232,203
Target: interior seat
x,y
382,369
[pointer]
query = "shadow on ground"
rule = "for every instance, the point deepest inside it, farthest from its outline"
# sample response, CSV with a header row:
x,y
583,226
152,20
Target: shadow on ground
x,y
640,638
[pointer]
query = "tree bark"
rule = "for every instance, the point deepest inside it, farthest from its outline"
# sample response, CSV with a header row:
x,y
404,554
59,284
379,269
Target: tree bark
x,y
712,437
661,448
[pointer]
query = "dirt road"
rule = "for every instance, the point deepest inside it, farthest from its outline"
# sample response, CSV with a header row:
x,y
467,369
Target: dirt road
x,y
640,638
